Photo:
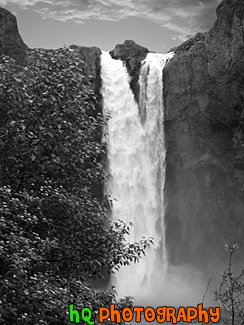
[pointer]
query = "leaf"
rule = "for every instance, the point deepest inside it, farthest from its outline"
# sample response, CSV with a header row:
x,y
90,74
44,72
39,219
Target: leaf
x,y
33,157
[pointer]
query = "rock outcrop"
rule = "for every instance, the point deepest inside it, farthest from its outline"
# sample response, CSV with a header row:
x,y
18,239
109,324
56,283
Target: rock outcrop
x,y
204,96
132,54
11,43
90,56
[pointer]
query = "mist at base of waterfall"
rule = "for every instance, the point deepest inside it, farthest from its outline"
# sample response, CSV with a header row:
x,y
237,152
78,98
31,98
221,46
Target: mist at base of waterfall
x,y
181,285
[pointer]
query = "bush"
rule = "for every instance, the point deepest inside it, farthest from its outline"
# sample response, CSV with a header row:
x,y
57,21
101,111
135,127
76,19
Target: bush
x,y
54,234
231,290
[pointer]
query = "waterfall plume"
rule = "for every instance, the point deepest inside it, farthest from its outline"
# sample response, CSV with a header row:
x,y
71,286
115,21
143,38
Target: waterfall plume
x,y
136,159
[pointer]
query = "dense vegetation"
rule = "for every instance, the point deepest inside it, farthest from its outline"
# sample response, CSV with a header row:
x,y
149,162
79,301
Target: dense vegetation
x,y
54,234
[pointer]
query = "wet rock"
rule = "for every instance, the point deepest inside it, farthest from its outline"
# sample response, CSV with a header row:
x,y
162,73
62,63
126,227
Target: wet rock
x,y
132,54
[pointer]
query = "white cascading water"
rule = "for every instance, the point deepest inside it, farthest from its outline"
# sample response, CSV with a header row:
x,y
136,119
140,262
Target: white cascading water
x,y
136,156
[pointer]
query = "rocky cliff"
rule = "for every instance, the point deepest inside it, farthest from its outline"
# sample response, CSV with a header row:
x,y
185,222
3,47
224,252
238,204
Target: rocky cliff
x,y
11,43
204,97
90,56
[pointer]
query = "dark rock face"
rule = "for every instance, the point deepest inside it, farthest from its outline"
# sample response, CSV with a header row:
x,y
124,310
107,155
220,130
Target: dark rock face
x,y
204,97
132,54
11,43
90,56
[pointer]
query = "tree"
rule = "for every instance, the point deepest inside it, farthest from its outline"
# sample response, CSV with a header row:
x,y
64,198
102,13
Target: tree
x,y
231,290
54,234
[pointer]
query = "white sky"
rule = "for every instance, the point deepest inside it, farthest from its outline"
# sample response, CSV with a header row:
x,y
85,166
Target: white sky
x,y
156,24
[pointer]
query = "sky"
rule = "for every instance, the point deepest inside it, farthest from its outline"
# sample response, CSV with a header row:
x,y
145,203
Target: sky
x,y
156,24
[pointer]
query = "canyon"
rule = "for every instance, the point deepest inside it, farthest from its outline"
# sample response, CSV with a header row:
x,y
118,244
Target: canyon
x,y
203,95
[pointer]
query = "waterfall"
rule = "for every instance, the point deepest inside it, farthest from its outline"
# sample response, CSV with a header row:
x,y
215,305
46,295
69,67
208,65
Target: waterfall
x,y
136,157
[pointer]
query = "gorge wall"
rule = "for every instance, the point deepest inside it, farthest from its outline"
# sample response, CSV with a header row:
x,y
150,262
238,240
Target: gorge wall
x,y
204,117
204,93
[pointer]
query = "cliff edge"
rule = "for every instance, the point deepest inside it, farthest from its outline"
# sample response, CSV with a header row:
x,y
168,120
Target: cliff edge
x,y
11,43
203,94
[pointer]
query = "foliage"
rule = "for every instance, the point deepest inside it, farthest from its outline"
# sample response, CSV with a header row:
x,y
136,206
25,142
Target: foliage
x,y
54,233
48,131
231,290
